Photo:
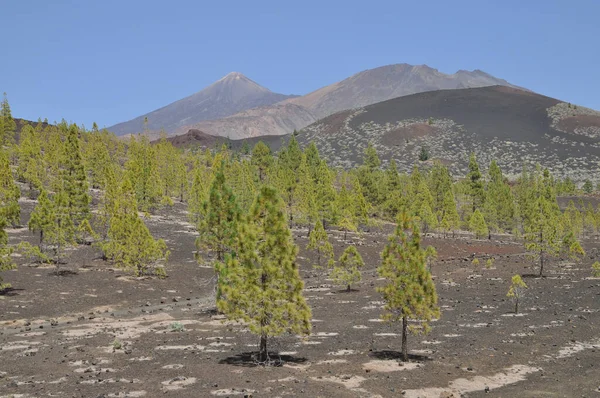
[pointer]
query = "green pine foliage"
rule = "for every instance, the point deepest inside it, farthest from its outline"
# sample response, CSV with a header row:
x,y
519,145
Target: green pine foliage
x,y
10,211
478,226
476,187
261,284
8,125
74,178
31,168
142,170
6,262
516,291
318,241
346,271
218,227
543,232
42,217
130,245
262,159
62,232
409,292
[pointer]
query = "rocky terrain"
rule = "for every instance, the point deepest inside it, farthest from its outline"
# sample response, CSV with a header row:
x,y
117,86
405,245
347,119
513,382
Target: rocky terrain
x,y
96,331
513,126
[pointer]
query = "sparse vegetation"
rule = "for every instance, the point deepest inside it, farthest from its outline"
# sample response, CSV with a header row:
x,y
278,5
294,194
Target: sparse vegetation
x,y
516,291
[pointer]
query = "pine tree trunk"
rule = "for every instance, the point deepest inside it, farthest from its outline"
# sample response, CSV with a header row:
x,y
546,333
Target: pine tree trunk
x,y
263,354
517,305
348,288
345,234
404,339
541,262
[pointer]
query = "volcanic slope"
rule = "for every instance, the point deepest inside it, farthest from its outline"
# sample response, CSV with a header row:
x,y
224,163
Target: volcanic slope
x,y
231,94
510,125
364,88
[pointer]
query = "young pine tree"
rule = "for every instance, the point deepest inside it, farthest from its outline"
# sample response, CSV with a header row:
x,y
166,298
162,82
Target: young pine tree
x,y
142,170
543,235
347,270
476,191
517,288
262,285
7,134
10,210
478,226
74,178
62,233
130,245
218,227
42,217
409,292
262,159
319,242
6,262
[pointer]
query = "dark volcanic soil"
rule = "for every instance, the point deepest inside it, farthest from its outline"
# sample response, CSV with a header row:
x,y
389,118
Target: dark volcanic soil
x,y
57,334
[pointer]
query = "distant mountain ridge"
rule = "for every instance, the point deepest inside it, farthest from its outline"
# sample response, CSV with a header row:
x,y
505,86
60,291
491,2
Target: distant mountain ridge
x,y
232,94
236,107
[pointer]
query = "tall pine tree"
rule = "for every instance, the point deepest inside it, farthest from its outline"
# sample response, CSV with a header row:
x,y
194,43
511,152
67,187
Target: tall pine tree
x,y
262,285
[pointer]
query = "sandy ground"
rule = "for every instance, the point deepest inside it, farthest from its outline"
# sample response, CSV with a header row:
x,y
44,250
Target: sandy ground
x,y
99,332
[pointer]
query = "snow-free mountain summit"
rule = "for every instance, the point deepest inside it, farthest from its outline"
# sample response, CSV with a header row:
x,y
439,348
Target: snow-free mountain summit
x,y
232,94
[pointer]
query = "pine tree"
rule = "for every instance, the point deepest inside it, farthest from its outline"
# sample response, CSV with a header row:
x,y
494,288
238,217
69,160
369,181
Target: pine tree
x,y
262,285
262,159
346,207
142,171
7,134
450,220
478,225
130,245
371,159
347,270
409,292
218,228
31,168
319,242
517,288
6,262
325,193
476,190
440,183
307,197
201,182
42,217
74,178
10,211
596,269
542,231
499,207
62,233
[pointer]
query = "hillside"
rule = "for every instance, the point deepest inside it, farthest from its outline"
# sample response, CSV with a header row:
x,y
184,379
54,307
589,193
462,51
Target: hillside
x,y
511,125
231,94
364,88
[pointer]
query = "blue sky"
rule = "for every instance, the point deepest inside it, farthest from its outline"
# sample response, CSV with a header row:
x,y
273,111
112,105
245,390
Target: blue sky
x,y
109,61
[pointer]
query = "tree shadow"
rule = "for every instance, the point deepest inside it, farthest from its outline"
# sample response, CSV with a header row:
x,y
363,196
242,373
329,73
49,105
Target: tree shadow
x,y
532,276
63,272
352,290
397,355
250,360
10,291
